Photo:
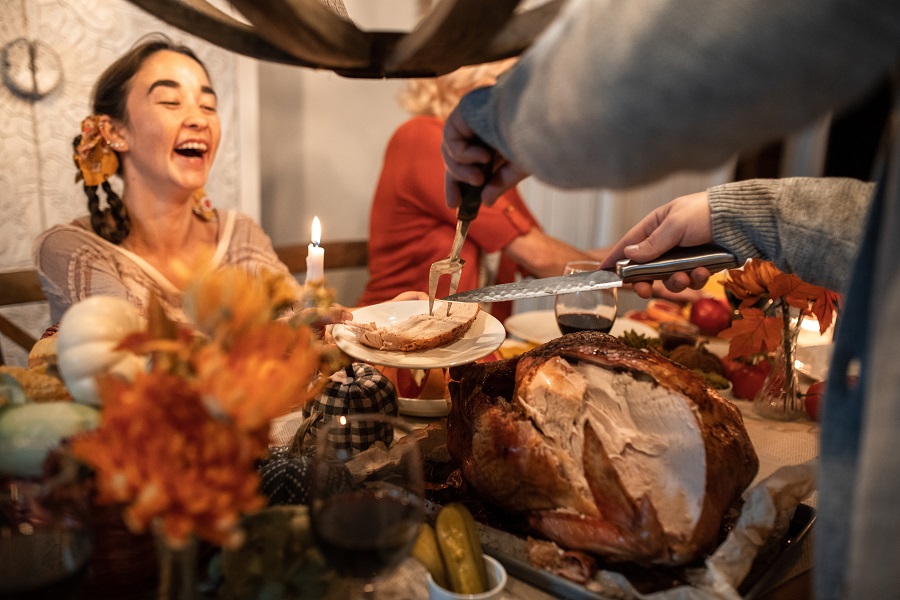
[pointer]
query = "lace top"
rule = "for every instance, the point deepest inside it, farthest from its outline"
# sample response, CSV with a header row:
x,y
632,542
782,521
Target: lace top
x,y
75,263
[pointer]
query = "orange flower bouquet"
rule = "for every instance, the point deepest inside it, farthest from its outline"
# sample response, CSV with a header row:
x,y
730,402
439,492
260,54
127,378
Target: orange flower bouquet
x,y
768,327
177,447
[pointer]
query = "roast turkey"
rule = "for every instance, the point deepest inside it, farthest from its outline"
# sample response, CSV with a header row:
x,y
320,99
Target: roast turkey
x,y
604,448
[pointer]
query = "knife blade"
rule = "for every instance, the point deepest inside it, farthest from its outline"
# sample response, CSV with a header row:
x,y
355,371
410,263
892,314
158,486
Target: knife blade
x,y
713,257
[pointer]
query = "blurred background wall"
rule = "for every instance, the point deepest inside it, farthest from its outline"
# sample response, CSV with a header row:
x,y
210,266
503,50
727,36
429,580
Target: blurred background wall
x,y
52,52
297,142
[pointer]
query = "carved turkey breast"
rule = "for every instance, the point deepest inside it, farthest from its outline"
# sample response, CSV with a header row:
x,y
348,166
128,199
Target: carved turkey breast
x,y
606,448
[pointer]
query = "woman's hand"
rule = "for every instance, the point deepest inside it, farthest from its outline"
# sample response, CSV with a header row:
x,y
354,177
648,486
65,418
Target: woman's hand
x,y
684,221
319,318
465,156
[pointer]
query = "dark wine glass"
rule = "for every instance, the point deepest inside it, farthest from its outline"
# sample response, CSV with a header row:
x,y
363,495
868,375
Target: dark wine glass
x,y
366,511
594,310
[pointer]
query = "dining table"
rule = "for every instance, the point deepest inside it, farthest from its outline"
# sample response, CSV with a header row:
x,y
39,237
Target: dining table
x,y
777,443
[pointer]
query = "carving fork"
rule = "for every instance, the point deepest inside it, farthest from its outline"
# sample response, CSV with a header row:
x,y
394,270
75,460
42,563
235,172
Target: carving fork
x,y
453,264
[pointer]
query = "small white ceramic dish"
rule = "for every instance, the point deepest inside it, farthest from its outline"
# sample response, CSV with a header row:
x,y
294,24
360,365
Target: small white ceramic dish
x,y
539,326
496,578
424,407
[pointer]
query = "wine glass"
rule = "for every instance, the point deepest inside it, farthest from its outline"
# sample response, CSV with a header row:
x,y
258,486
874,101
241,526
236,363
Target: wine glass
x,y
366,511
594,310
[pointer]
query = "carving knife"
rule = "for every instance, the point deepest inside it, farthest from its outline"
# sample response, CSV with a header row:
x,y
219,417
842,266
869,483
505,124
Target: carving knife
x,y
710,256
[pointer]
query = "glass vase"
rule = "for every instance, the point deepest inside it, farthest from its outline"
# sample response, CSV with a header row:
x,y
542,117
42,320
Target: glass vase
x,y
779,397
177,568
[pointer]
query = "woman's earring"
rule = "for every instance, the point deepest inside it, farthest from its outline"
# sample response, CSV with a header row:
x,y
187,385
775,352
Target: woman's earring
x,y
202,206
116,145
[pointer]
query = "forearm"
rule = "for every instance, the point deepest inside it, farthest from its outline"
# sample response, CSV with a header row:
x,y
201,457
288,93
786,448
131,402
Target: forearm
x,y
667,85
807,226
542,255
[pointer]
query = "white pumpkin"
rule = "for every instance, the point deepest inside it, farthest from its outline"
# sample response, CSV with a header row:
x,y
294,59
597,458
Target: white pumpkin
x,y
88,335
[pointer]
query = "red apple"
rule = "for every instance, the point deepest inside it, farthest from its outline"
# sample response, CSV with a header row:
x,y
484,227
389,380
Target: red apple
x,y
410,382
746,379
418,383
710,315
813,398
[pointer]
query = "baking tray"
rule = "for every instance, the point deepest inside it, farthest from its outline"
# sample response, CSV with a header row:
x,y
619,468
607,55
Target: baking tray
x,y
762,575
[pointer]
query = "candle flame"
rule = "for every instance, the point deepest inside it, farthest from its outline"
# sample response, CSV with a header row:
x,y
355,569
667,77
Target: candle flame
x,y
316,231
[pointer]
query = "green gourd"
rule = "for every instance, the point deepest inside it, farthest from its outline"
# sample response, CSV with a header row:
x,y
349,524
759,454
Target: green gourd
x,y
28,432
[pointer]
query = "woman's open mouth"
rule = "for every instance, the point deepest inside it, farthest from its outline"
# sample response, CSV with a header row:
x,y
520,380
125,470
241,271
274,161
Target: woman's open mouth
x,y
192,149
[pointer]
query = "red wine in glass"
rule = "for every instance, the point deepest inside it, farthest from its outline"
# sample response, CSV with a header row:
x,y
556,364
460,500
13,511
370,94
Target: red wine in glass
x,y
365,525
367,532
592,310
573,322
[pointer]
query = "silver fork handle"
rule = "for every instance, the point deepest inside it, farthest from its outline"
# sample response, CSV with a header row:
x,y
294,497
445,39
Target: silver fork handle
x,y
462,229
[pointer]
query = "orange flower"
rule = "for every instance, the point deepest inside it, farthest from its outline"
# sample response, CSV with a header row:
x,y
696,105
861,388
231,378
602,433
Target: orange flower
x,y
273,357
159,451
178,446
752,282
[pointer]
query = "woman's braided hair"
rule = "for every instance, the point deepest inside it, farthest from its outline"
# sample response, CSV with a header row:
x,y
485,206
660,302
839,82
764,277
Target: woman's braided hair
x,y
110,223
109,98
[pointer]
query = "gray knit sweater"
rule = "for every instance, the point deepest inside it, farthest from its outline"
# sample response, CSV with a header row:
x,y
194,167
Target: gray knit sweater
x,y
617,93
807,226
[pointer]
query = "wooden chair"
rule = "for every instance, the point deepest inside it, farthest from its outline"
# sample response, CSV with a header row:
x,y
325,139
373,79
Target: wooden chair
x,y
20,287
338,255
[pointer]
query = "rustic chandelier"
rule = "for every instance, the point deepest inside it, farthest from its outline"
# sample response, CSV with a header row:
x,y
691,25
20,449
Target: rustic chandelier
x,y
320,34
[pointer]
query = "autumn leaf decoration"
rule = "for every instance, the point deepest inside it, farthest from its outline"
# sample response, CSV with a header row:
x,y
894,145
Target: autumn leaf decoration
x,y
766,295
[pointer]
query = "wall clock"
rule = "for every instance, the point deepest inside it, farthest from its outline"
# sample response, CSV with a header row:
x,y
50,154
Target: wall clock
x,y
30,69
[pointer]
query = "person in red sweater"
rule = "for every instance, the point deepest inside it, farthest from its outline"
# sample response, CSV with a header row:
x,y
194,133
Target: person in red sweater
x,y
411,227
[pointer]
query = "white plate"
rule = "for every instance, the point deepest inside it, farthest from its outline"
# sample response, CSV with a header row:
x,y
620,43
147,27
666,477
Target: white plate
x,y
419,407
539,326
483,337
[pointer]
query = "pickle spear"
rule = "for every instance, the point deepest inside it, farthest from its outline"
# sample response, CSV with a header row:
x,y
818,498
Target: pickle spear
x,y
458,540
426,551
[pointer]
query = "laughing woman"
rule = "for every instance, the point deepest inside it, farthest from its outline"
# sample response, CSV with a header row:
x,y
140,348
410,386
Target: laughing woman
x,y
155,125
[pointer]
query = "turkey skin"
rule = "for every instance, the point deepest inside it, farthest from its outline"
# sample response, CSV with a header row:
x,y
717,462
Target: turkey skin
x,y
605,448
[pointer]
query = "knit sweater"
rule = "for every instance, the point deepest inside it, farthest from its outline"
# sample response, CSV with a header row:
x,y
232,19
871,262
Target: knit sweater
x,y
808,226
75,263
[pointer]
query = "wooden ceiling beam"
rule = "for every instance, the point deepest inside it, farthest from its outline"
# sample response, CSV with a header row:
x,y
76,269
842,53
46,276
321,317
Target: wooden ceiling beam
x,y
320,35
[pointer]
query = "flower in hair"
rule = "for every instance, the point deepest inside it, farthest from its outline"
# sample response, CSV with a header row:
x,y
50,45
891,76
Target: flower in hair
x,y
95,161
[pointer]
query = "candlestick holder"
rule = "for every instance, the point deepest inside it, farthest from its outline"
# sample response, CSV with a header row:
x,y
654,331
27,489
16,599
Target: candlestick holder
x,y
318,295
319,311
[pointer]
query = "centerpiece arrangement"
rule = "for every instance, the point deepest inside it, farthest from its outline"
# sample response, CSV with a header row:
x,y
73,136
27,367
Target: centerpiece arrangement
x,y
773,306
178,445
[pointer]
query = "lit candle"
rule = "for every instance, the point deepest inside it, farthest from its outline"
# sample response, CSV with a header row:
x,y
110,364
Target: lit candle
x,y
315,256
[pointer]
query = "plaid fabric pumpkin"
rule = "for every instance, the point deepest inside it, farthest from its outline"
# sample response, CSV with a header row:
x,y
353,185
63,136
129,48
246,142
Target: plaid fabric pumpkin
x,y
356,389
285,479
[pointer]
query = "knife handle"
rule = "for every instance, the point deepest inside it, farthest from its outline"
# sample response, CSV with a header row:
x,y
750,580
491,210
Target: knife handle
x,y
471,195
713,257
